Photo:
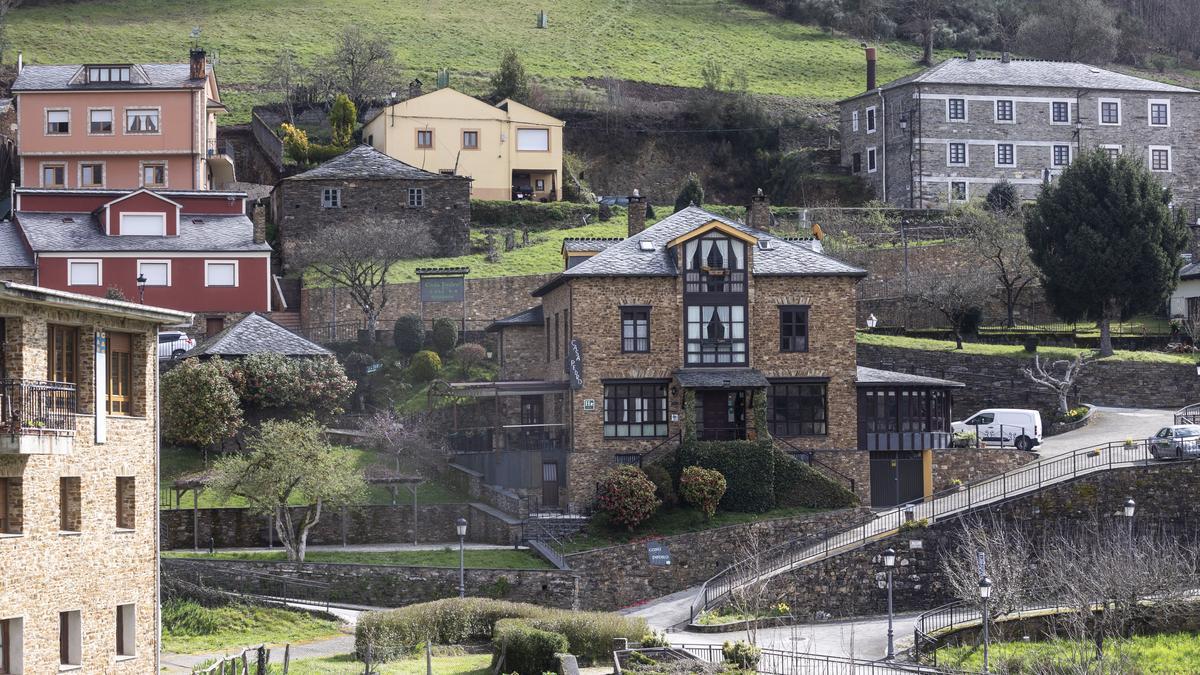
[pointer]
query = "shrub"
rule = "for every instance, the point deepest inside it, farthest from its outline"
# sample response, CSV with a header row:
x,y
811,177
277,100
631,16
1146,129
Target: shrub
x,y
426,365
526,649
530,215
626,495
1003,197
408,334
702,488
1030,343
748,467
443,336
691,194
342,118
741,654
115,293
649,211
798,484
470,355
664,484
199,405
654,639
604,212
295,143
265,380
324,386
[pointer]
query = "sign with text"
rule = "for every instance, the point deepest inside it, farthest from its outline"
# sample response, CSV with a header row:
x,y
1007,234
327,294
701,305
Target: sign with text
x,y
589,405
575,364
660,555
442,289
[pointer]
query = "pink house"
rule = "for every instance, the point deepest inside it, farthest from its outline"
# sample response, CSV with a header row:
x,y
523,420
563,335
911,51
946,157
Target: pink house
x,y
121,126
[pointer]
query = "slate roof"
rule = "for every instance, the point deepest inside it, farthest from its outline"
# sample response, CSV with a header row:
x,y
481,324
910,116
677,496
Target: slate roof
x,y
626,258
530,317
256,334
868,376
13,251
49,232
365,162
58,78
1190,271
692,378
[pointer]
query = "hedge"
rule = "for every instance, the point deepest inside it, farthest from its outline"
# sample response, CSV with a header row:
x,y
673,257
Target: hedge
x,y
798,484
395,633
526,649
748,467
531,215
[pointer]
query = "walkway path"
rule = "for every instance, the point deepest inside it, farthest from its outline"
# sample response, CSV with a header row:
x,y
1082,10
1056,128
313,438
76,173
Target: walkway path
x,y
1109,424
365,548
860,638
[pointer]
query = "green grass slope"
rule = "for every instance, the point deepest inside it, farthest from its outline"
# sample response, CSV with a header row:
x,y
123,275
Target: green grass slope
x,y
659,42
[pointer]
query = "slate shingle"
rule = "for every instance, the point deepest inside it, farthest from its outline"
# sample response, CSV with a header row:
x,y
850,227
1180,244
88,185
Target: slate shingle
x,y
52,232
145,76
529,317
256,334
13,251
364,163
876,376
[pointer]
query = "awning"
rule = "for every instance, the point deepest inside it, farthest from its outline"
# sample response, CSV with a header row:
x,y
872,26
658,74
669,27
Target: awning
x,y
720,378
876,377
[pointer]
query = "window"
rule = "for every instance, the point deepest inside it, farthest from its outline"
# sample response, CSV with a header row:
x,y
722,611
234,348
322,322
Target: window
x,y
797,409
416,197
70,505
547,333
126,630
156,272
10,506
11,645
557,353
91,175
54,175
1062,155
331,198
566,333
141,121
1005,154
856,162
905,410
62,353
956,109
120,373
1114,151
635,329
69,639
58,122
1060,112
108,73
871,120
956,154
958,191
1004,111
854,120
635,410
100,121
154,175
871,160
1160,113
220,273
1110,111
539,185
126,502
424,138
470,140
1160,158
793,328
83,273
144,224
716,335
533,140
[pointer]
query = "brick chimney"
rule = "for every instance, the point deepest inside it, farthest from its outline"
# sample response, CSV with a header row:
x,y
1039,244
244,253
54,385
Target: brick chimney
x,y
199,61
759,215
1005,57
414,88
258,215
971,55
870,68
637,213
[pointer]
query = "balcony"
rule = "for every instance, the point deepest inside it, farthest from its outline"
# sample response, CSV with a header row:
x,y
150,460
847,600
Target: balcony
x,y
37,417
220,164
715,280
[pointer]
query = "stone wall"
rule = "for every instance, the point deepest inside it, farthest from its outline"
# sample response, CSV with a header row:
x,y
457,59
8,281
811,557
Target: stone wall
x,y
949,464
469,482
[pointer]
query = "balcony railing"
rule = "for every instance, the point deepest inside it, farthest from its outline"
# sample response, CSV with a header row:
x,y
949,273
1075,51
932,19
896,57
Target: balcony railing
x,y
36,407
523,437
714,281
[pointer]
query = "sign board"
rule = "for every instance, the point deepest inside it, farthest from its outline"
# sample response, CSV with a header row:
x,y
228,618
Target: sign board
x,y
374,368
574,364
979,558
442,289
589,405
660,555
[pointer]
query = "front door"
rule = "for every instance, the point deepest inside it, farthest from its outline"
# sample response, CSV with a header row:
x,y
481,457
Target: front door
x,y
897,477
722,415
550,484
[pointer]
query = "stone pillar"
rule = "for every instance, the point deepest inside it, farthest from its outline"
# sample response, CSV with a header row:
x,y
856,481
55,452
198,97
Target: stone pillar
x,y
637,213
759,215
259,217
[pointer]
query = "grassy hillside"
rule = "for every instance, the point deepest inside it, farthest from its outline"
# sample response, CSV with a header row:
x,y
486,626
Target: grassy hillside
x,y
664,42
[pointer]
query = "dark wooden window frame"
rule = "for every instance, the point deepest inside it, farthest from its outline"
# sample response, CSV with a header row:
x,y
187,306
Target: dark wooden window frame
x,y
651,408
631,317
809,420
787,318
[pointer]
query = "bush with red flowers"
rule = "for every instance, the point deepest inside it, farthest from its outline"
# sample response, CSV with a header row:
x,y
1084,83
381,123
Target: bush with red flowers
x,y
702,488
627,496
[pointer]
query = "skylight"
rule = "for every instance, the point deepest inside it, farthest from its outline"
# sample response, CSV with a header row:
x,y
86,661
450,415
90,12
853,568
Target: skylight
x,y
646,245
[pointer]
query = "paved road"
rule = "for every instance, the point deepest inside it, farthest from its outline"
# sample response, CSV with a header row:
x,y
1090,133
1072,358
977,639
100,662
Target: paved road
x,y
1109,425
862,638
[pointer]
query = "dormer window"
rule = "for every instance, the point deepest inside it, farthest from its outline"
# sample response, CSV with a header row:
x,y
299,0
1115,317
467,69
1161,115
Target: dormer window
x,y
108,74
715,263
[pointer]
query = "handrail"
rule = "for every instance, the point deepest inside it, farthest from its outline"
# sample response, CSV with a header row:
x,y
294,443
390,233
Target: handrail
x,y
649,456
37,406
780,662
1189,414
811,460
796,553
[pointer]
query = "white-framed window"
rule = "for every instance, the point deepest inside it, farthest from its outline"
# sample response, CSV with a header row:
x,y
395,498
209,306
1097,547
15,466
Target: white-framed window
x,y
871,120
854,120
54,175
1060,112
1060,155
12,645
1006,154
416,197
331,198
1160,158
533,140
958,191
1005,110
91,174
220,273
108,73
156,272
872,159
956,110
85,272
144,224
70,639
100,121
1158,111
956,154
1109,111
142,121
154,174
126,630
58,122
1114,151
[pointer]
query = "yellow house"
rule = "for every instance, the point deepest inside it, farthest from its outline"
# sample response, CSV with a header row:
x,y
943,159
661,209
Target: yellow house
x,y
509,150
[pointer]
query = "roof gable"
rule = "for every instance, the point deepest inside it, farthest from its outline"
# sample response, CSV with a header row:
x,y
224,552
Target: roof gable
x,y
519,112
256,334
143,191
365,162
714,226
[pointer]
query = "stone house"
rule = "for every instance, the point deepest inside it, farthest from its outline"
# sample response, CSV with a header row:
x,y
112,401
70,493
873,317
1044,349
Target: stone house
x,y
78,482
696,317
948,134
365,183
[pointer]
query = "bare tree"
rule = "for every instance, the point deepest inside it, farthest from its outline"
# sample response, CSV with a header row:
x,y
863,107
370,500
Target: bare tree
x,y
1007,561
408,441
285,77
1046,376
999,239
955,296
1071,30
362,64
924,20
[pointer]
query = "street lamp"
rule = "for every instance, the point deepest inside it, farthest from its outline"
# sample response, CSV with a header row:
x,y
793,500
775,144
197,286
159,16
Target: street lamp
x,y
461,526
872,321
141,284
985,592
889,561
1130,506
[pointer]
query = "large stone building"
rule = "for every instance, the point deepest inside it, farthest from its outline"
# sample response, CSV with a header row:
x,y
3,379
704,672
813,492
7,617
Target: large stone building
x,y
949,133
78,482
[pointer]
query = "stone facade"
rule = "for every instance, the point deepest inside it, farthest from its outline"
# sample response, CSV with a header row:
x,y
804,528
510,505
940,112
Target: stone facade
x,y
88,555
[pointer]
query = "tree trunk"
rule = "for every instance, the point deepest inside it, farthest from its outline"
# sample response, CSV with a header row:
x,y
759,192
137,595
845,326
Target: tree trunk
x,y
1106,348
312,515
958,339
927,52
1010,305
1063,406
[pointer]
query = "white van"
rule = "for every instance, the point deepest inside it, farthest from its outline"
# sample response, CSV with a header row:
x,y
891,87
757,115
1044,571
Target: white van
x,y
1010,427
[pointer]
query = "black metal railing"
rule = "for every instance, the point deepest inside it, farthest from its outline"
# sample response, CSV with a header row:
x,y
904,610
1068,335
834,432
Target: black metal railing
x,y
954,502
714,281
809,457
779,662
544,437
471,440
1188,414
237,578
654,454
36,406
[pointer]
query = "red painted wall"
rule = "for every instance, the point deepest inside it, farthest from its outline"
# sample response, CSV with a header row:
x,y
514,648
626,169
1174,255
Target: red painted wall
x,y
144,203
187,291
86,203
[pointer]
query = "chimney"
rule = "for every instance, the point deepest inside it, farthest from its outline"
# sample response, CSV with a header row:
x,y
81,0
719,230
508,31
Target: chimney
x,y
258,215
970,54
1005,57
414,88
199,69
759,216
20,61
870,68
1194,242
637,213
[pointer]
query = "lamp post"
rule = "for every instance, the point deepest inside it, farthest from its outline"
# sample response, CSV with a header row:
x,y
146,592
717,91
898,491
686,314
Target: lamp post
x,y
141,284
461,526
1130,506
872,321
889,561
985,592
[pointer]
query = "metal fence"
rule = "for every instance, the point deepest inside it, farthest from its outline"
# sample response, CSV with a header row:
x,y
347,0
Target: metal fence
x,y
778,662
35,406
246,582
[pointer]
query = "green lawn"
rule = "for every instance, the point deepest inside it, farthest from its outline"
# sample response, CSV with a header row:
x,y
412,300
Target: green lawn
x,y
501,558
667,522
464,664
189,628
1149,655
1014,351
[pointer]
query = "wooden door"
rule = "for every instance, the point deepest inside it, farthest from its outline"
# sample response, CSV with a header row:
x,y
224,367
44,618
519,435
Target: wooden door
x,y
550,484
213,325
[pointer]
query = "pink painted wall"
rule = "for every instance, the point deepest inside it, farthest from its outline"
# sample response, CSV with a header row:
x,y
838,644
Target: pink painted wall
x,y
121,171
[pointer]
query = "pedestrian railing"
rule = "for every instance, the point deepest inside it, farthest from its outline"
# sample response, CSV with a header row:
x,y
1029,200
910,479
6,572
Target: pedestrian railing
x,y
1188,414
779,662
232,578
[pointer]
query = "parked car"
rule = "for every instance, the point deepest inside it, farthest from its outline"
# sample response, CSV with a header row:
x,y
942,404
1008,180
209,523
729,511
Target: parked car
x,y
1176,442
1013,427
173,344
